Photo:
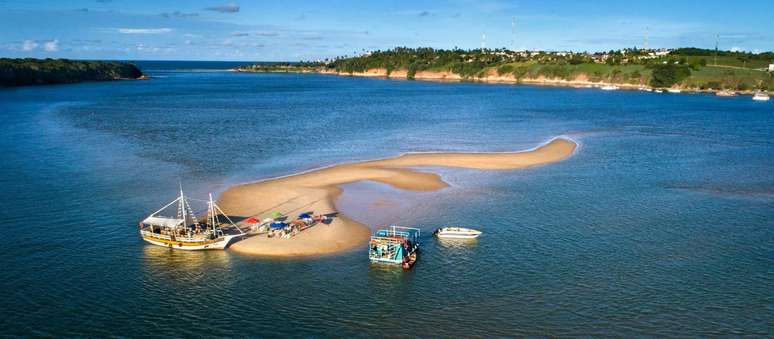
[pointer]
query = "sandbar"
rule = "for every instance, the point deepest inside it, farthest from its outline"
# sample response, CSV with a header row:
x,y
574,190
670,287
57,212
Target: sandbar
x,y
318,189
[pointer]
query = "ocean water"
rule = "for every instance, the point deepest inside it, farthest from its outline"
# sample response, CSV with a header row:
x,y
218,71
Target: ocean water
x,y
662,223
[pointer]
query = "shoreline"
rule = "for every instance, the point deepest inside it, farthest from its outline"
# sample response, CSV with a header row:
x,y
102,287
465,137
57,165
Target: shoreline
x,y
492,78
317,190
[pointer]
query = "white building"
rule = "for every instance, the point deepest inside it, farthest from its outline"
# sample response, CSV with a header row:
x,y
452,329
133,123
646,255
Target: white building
x,y
771,67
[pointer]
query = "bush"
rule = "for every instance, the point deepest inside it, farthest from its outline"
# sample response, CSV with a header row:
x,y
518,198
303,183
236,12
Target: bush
x,y
713,85
520,72
666,75
467,69
554,71
505,69
636,75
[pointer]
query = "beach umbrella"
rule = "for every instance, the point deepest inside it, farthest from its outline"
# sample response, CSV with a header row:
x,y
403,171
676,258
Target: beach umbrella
x,y
304,216
276,215
251,220
278,225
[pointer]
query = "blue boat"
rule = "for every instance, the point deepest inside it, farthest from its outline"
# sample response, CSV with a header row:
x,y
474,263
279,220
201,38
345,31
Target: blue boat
x,y
395,245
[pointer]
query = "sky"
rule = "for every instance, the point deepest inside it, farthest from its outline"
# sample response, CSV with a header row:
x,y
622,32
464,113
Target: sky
x,y
291,30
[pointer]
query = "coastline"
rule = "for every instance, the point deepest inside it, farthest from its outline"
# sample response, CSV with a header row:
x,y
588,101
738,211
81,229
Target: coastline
x,y
317,191
580,81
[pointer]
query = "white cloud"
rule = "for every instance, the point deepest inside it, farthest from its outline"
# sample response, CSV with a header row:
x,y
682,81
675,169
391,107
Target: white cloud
x,y
144,30
736,49
51,45
29,45
227,8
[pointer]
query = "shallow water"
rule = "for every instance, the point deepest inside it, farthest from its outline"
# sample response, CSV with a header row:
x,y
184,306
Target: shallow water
x,y
660,224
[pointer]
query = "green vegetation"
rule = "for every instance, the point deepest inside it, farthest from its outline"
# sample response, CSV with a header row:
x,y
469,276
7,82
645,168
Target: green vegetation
x,y
667,75
689,68
279,67
21,72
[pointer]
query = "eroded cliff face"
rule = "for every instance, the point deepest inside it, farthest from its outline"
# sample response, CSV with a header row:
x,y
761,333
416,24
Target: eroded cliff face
x,y
579,80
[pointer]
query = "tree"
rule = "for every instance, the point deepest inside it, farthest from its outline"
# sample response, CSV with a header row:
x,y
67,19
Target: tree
x,y
666,75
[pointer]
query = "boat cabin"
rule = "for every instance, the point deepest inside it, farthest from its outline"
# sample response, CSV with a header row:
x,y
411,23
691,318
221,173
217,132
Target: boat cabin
x,y
394,245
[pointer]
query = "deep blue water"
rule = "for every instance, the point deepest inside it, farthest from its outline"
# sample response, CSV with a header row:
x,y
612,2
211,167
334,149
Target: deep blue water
x,y
661,223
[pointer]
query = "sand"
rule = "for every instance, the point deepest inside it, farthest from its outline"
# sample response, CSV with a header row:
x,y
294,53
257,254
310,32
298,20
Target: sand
x,y
317,191
491,76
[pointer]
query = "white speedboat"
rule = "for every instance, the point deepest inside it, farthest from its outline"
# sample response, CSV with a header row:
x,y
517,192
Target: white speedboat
x,y
674,90
761,96
609,88
457,233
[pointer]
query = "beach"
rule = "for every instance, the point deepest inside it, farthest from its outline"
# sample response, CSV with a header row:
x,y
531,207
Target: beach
x,y
316,191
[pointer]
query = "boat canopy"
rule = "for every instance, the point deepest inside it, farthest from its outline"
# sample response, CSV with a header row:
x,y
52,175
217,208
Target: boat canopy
x,y
278,225
163,221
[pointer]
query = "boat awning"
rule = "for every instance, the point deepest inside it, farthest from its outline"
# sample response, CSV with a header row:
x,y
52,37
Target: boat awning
x,y
278,225
163,222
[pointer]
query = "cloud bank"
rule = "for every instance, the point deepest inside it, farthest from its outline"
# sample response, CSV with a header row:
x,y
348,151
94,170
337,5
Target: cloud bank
x,y
144,30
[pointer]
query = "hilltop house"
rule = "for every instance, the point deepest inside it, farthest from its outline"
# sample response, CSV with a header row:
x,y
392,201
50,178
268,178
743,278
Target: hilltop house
x,y
771,67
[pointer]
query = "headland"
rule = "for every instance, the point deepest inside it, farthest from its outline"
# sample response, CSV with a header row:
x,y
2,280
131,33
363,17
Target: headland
x,y
24,72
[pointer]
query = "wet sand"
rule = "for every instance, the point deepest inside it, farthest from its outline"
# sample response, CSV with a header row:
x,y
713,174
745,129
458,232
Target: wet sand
x,y
318,189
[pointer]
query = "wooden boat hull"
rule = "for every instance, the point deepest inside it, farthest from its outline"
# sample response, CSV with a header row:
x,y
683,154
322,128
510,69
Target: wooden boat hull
x,y
216,244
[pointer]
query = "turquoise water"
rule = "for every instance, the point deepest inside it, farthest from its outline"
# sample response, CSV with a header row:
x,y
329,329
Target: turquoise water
x,y
660,224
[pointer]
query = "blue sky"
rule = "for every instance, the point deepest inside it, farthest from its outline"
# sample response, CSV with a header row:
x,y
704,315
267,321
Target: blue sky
x,y
307,30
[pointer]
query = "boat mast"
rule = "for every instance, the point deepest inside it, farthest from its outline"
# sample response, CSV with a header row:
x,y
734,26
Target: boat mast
x,y
182,207
212,214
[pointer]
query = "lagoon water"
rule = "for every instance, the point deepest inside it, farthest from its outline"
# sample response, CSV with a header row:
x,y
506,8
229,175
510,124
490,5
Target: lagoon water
x,y
662,223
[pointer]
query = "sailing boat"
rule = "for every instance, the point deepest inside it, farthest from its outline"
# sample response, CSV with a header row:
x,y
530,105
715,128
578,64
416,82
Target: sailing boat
x,y
184,231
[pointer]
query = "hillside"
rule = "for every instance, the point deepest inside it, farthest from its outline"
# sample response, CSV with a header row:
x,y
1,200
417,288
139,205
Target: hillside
x,y
687,68
21,72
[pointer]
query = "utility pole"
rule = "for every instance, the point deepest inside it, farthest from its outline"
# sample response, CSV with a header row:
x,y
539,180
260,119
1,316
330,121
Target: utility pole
x,y
717,37
483,41
645,43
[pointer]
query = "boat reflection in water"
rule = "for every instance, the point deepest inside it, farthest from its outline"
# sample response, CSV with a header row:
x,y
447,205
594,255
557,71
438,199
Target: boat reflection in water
x,y
164,259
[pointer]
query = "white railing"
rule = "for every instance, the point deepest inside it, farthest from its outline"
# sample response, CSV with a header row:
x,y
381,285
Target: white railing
x,y
178,238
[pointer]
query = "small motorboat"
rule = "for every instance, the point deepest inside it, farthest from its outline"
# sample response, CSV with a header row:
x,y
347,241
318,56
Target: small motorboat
x,y
761,96
609,88
456,233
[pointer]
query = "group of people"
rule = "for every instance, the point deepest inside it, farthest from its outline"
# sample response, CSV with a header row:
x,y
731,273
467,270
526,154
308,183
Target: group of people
x,y
288,230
